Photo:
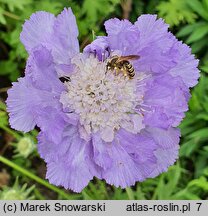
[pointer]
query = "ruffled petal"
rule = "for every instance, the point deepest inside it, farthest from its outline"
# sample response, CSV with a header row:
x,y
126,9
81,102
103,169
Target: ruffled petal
x,y
167,149
50,149
148,37
141,148
166,98
24,103
38,30
186,66
155,45
99,48
71,173
165,158
73,167
154,60
141,144
100,152
52,121
136,124
40,67
29,98
153,32
65,37
122,35
46,147
132,159
123,171
57,34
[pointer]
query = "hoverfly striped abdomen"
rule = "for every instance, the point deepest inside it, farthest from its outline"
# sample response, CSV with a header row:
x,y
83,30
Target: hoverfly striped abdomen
x,y
122,64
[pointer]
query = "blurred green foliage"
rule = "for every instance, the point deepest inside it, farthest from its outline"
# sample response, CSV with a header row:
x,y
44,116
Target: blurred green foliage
x,y
176,11
188,178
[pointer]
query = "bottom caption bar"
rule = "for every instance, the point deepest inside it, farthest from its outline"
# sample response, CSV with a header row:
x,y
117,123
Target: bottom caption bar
x,y
104,207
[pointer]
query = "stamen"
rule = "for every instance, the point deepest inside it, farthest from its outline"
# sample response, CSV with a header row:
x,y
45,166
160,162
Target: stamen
x,y
103,101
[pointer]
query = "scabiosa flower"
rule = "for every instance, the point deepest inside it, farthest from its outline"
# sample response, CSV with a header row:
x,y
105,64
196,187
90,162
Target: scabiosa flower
x,y
98,122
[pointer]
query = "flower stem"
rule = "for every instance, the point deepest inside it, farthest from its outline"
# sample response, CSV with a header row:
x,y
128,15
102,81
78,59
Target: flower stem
x,y
8,130
36,178
38,194
11,15
130,193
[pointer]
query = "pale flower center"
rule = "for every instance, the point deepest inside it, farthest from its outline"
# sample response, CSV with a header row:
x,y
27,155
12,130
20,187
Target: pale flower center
x,y
104,101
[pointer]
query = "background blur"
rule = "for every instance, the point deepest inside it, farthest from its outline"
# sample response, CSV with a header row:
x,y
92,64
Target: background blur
x,y
22,172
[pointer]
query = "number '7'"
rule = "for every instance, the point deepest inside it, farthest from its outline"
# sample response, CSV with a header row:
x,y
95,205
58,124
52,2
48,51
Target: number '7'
x,y
199,205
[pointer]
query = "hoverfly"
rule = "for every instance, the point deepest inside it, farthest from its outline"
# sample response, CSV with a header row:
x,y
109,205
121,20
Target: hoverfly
x,y
122,64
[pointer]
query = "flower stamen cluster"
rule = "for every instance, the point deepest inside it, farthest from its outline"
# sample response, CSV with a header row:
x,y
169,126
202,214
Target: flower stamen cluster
x,y
102,99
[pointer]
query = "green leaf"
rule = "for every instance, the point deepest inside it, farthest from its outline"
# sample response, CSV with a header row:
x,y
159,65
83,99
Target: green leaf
x,y
7,67
3,119
86,196
173,177
205,172
99,9
139,194
204,68
200,183
2,19
188,148
205,4
167,183
198,33
51,6
95,190
198,7
185,195
189,28
199,134
2,106
175,12
199,45
203,116
130,193
19,4
201,163
199,101
118,194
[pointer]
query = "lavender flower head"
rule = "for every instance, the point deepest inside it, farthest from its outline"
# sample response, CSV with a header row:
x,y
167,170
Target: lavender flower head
x,y
99,123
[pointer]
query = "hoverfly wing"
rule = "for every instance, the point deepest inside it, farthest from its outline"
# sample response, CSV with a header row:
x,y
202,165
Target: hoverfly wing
x,y
133,57
127,58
